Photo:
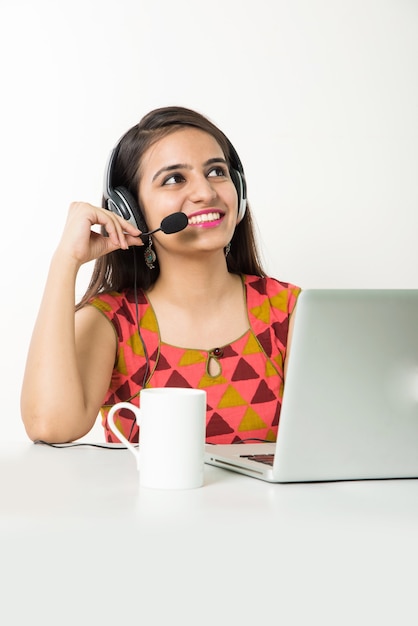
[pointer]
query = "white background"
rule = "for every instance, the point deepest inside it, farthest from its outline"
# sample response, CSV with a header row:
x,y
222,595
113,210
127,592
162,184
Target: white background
x,y
319,97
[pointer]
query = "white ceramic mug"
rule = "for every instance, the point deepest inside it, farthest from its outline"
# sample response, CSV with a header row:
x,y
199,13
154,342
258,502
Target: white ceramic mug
x,y
172,424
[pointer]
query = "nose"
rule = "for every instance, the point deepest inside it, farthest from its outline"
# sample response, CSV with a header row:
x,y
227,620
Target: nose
x,y
202,190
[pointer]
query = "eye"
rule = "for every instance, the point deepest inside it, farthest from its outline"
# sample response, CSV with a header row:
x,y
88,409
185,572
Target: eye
x,y
217,171
173,179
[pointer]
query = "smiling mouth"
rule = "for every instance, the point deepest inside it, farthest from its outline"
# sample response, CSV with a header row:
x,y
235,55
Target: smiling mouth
x,y
203,218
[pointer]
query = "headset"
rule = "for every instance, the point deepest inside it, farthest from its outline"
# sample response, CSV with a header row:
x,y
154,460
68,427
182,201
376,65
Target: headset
x,y
120,201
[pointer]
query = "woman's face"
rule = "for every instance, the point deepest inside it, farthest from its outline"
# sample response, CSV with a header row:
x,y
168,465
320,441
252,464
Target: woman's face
x,y
186,171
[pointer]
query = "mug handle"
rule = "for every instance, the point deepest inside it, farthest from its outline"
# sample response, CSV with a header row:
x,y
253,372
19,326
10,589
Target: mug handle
x,y
116,431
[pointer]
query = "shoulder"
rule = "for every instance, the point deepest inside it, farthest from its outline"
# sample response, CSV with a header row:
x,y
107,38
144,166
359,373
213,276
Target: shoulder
x,y
124,310
119,304
271,303
277,294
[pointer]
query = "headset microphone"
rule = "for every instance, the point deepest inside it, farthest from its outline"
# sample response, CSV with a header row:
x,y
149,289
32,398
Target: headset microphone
x,y
173,223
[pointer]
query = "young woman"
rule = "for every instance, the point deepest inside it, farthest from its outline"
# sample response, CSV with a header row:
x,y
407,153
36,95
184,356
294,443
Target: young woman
x,y
191,308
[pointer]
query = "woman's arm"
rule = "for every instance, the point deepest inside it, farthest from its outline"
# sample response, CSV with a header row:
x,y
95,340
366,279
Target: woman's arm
x,y
71,356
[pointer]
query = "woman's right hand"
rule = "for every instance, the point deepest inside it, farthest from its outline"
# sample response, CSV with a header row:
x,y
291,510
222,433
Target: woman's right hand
x,y
83,244
69,364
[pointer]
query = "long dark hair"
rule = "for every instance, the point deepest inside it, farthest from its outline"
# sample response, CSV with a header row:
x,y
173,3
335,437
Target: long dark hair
x,y
120,270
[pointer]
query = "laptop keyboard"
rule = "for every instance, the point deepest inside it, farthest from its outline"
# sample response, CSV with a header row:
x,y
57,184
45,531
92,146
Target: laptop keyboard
x,y
267,459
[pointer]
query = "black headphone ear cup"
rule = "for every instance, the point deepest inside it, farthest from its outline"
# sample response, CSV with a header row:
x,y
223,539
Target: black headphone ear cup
x,y
239,182
123,203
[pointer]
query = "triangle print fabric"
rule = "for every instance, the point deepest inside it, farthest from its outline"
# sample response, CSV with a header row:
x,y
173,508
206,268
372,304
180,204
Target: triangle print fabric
x,y
244,384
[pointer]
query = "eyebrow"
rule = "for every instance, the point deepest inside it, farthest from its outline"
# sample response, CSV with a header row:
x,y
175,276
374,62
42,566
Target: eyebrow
x,y
184,166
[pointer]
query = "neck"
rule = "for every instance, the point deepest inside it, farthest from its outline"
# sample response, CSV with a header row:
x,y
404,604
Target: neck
x,y
197,281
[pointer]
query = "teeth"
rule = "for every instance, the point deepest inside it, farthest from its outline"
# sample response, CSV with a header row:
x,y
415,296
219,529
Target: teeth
x,y
204,217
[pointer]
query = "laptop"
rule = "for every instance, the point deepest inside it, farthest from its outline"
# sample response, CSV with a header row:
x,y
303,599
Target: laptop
x,y
350,404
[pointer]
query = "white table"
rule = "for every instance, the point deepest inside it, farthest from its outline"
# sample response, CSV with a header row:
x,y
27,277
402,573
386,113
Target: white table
x,y
82,544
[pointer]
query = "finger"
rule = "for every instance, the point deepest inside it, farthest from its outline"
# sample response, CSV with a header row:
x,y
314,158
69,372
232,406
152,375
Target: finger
x,y
114,228
121,232
134,241
104,245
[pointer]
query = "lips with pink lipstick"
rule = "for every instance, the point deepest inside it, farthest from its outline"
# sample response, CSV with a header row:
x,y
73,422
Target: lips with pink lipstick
x,y
207,218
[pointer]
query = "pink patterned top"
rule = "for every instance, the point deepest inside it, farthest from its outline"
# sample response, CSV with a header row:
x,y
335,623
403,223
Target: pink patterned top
x,y
243,398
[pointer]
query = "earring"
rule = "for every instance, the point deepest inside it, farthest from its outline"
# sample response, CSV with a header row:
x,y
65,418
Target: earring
x,y
227,249
149,255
